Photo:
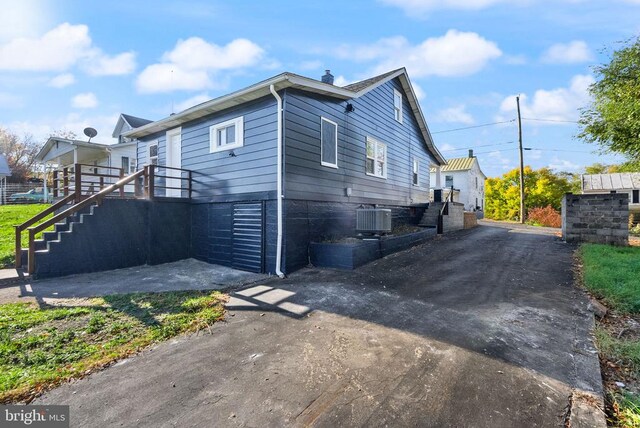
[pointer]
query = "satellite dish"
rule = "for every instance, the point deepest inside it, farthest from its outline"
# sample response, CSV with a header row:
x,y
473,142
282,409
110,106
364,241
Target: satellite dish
x,y
90,132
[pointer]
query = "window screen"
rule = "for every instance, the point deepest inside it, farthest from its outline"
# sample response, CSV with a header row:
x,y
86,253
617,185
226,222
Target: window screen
x,y
329,136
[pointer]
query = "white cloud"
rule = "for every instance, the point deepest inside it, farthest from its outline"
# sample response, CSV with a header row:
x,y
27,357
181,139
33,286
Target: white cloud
x,y
456,53
497,157
310,65
62,80
455,114
341,81
420,7
446,147
563,165
100,64
197,54
170,77
554,104
42,127
24,18
573,52
84,100
10,101
191,64
60,49
515,59
190,102
417,89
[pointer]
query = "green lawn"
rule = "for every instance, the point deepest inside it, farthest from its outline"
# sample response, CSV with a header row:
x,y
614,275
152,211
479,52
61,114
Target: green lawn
x,y
41,347
11,215
613,275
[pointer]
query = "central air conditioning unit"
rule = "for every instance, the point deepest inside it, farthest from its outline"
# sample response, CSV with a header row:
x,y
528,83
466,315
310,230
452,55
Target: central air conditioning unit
x,y
373,220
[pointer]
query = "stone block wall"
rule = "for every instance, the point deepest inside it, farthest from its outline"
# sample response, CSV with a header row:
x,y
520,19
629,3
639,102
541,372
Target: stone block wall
x,y
470,220
597,218
455,219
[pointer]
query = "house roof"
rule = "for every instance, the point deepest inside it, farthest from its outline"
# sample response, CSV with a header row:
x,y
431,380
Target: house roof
x,y
4,166
608,182
460,164
135,122
53,140
291,80
363,84
132,121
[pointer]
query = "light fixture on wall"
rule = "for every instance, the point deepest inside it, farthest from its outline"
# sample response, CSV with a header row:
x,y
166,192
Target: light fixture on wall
x,y
232,154
350,108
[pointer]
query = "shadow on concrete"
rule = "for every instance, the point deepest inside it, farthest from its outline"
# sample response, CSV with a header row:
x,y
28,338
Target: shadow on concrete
x,y
505,293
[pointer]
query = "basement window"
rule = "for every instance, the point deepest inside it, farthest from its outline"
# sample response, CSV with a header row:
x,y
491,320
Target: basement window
x,y
328,143
226,135
376,158
635,198
397,105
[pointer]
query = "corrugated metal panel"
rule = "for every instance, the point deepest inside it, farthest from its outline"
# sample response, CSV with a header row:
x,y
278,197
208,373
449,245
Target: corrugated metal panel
x,y
607,182
248,242
457,164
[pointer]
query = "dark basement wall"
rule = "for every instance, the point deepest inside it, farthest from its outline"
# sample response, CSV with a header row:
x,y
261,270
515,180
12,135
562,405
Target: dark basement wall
x,y
118,235
313,221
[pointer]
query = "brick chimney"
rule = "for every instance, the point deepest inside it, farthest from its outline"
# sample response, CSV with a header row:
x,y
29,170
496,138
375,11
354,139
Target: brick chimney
x,y
328,77
470,153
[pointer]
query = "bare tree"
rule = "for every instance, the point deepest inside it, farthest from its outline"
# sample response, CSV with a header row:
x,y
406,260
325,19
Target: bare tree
x,y
20,154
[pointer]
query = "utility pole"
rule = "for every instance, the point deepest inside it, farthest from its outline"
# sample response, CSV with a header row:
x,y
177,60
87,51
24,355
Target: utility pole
x,y
521,162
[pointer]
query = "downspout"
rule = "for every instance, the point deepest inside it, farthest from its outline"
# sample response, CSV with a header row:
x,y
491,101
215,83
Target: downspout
x,y
279,184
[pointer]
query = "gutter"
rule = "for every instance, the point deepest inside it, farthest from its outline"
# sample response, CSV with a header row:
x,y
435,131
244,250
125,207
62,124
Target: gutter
x,y
279,183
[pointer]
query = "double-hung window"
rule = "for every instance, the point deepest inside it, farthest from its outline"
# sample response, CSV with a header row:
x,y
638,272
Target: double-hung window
x,y
416,171
153,153
635,196
397,105
376,158
328,143
226,135
448,181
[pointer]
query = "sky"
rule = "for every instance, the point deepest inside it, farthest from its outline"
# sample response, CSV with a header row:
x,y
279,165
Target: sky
x,y
66,65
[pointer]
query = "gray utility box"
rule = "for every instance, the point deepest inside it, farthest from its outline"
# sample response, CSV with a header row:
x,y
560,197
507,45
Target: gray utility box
x,y
373,220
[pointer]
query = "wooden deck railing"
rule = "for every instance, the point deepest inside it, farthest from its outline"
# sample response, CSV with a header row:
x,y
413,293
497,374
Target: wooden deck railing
x,y
145,183
84,179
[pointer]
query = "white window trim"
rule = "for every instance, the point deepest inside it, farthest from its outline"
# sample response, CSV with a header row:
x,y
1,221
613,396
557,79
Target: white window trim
x,y
213,132
323,163
157,157
416,166
386,158
396,92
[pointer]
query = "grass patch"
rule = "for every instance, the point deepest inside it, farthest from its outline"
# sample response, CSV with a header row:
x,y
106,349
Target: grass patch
x,y
613,275
41,347
11,215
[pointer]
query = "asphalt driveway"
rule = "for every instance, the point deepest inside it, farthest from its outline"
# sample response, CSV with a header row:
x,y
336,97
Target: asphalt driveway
x,y
480,328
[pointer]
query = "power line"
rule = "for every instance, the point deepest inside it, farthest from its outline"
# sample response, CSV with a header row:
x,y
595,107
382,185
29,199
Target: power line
x,y
472,127
560,150
472,148
549,120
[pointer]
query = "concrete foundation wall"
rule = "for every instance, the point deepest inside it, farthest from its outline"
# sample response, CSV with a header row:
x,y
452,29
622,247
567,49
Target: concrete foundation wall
x,y
316,221
455,219
597,218
119,234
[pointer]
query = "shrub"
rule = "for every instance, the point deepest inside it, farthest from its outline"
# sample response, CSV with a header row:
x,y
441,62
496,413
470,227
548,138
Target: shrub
x,y
547,216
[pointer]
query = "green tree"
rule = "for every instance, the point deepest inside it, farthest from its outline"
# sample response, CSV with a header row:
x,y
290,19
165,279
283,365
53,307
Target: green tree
x,y
542,187
613,118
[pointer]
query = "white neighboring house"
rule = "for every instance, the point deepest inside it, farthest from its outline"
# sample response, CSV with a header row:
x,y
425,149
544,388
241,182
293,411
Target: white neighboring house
x,y
622,182
4,173
467,180
60,153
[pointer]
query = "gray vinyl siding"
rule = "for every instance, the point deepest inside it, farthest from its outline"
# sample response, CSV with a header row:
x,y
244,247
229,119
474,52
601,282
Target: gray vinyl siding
x,y
217,175
307,179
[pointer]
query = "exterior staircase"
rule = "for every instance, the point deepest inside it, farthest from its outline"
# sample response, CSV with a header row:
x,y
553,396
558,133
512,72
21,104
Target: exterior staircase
x,y
430,216
60,231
